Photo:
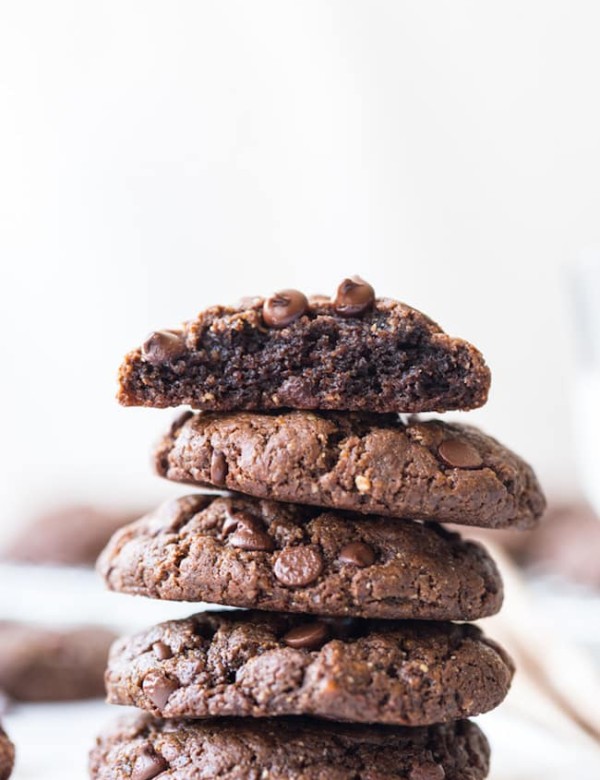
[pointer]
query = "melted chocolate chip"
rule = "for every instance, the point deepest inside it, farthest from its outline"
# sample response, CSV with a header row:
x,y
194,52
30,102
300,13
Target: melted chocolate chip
x,y
158,688
162,651
358,554
229,525
297,567
354,297
459,454
309,636
163,346
241,519
218,469
148,764
251,539
283,308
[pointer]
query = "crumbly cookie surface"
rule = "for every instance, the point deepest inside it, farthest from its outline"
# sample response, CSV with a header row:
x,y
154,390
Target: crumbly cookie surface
x,y
382,357
373,464
253,553
143,748
258,664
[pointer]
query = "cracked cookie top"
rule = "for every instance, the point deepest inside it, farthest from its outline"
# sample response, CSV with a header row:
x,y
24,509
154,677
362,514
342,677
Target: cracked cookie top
x,y
373,464
246,552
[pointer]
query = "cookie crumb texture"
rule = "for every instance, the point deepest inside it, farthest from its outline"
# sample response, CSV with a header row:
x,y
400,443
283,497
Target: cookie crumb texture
x,y
373,464
7,756
42,664
298,748
258,664
385,357
246,552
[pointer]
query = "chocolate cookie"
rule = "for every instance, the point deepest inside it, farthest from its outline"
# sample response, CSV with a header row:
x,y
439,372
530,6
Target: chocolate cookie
x,y
248,553
41,664
142,748
567,543
7,756
372,464
354,352
73,535
261,664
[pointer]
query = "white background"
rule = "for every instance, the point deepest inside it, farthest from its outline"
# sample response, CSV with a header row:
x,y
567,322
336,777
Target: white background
x,y
156,157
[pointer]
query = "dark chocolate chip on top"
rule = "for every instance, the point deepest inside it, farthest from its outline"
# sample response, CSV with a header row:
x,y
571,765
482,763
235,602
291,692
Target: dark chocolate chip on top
x,y
148,764
459,454
358,554
298,567
163,346
218,469
158,688
251,539
283,308
354,297
309,636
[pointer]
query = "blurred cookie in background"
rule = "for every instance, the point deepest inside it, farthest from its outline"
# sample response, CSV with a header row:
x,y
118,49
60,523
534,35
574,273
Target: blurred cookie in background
x,y
72,535
566,544
43,664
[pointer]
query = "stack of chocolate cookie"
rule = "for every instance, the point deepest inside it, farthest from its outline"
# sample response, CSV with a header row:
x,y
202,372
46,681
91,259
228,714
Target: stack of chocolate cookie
x,y
344,662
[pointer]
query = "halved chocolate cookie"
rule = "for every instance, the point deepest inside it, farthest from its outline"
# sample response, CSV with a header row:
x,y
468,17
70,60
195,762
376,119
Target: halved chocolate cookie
x,y
355,352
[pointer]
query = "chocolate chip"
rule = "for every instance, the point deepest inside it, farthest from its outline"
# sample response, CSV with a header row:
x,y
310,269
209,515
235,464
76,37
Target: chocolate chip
x,y
162,651
235,520
310,636
148,764
229,525
358,554
180,421
218,468
428,771
297,567
283,308
247,531
459,454
251,539
163,346
158,688
354,297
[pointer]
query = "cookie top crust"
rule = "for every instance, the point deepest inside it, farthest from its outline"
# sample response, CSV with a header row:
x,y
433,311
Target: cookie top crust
x,y
355,352
258,664
143,748
246,552
373,464
44,664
